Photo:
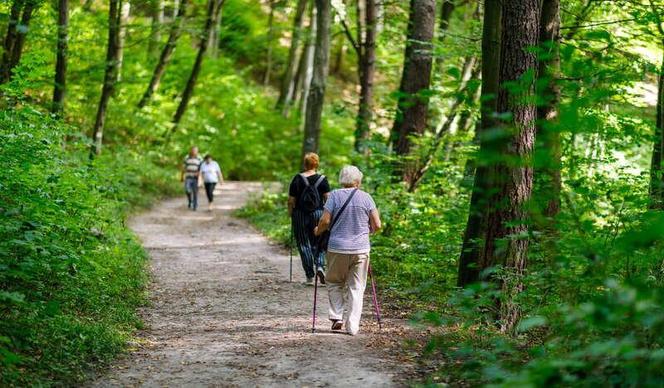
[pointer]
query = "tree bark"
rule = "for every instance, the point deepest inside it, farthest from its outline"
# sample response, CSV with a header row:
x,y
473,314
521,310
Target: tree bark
x,y
214,6
306,66
213,42
156,26
15,39
656,167
412,106
60,84
10,40
124,17
270,38
469,260
166,54
506,242
549,153
312,123
287,82
367,72
110,75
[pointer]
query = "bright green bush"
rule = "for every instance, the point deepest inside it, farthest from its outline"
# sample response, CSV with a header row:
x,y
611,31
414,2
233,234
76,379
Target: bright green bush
x,y
71,274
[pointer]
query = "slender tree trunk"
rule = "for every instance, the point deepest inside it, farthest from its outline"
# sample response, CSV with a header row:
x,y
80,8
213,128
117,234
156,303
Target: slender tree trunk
x,y
412,107
60,84
287,82
339,55
214,6
549,153
176,9
312,124
505,241
10,40
446,10
270,38
469,260
656,167
166,54
307,66
367,66
15,38
110,75
124,18
213,43
157,25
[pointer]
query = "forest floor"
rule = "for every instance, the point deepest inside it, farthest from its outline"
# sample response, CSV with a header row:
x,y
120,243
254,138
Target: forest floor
x,y
223,313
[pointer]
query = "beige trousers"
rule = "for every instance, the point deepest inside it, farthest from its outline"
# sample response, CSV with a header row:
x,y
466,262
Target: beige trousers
x,y
346,280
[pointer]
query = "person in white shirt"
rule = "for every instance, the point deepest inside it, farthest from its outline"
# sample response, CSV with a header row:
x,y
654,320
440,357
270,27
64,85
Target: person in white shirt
x,y
211,174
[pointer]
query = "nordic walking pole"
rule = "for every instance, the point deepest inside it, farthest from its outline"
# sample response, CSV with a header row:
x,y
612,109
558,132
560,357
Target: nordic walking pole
x,y
375,299
313,319
290,274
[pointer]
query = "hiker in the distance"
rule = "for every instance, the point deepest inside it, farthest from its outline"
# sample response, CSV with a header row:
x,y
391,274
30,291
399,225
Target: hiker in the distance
x,y
354,217
190,174
306,196
211,174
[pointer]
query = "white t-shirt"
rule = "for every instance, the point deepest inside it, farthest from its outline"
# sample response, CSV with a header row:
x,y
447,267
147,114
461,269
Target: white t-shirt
x,y
209,172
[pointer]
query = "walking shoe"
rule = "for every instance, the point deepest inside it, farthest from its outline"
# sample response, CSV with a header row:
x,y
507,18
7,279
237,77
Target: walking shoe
x,y
320,273
309,282
337,324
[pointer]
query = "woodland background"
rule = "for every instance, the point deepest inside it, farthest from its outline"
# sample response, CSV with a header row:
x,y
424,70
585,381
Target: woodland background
x,y
514,149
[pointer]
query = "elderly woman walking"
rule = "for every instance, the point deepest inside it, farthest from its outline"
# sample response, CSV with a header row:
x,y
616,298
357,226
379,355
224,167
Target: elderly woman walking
x,y
353,215
306,197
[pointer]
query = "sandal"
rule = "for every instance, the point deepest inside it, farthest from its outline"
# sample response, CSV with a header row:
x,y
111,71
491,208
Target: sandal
x,y
337,325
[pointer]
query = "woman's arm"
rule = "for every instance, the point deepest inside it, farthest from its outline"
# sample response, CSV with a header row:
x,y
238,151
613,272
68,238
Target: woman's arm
x,y
323,224
291,205
374,221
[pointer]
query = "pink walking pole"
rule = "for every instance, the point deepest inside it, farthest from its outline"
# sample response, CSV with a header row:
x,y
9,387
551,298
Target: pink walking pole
x,y
375,299
313,319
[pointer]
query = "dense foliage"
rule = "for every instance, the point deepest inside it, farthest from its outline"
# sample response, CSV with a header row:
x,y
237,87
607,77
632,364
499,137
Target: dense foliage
x,y
71,275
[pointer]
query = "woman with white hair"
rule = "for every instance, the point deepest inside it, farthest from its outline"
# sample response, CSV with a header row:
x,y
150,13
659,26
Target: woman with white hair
x,y
353,215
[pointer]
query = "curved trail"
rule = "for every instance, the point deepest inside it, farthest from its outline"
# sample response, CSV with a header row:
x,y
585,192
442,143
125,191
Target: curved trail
x,y
223,313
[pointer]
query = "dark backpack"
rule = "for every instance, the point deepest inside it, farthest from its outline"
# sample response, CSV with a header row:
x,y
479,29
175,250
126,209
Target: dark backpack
x,y
309,199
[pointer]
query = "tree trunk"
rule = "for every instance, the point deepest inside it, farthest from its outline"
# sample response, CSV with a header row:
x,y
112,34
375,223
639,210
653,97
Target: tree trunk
x,y
307,65
157,25
270,38
469,270
110,76
287,82
10,40
549,153
214,6
213,42
60,85
367,67
506,242
316,96
339,55
656,167
124,17
412,106
15,38
166,54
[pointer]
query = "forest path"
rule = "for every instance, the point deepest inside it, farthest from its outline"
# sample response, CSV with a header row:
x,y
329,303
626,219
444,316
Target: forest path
x,y
223,313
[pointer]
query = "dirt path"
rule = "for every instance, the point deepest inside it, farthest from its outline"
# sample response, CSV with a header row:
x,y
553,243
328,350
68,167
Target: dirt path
x,y
224,314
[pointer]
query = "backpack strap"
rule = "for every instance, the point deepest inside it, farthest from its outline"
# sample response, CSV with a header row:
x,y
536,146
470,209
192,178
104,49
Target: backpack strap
x,y
345,205
319,181
304,178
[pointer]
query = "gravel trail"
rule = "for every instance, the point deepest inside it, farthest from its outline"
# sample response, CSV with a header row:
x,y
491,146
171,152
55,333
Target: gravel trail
x,y
223,314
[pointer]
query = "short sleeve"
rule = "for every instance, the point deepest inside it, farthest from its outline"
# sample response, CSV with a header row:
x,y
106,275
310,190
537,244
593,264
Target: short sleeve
x,y
329,205
292,189
371,205
324,187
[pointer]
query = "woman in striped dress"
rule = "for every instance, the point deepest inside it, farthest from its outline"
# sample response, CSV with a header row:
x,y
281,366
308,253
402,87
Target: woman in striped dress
x,y
307,194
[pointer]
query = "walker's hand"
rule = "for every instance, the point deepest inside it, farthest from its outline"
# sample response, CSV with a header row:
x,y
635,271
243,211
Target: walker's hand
x,y
316,232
